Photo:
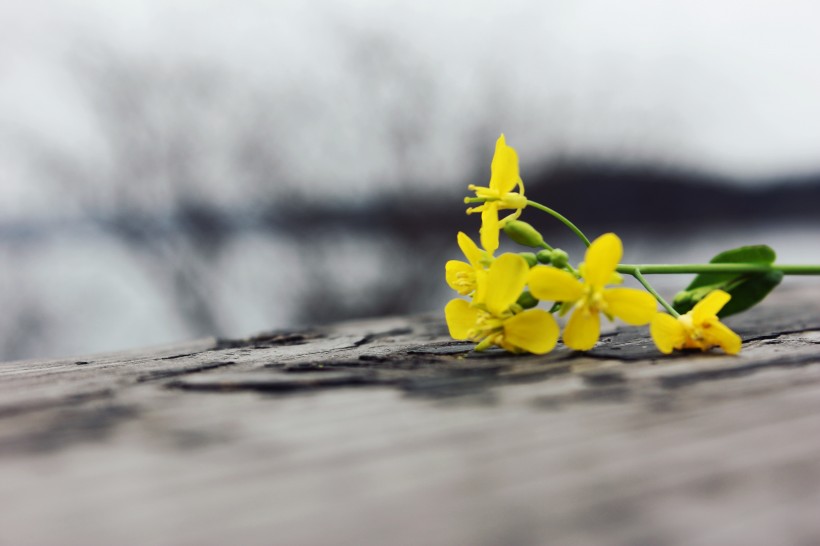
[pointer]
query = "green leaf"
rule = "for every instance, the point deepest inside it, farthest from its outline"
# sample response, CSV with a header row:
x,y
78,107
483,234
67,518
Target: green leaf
x,y
746,289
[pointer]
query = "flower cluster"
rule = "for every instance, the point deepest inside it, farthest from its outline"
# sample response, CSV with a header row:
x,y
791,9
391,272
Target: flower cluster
x,y
505,291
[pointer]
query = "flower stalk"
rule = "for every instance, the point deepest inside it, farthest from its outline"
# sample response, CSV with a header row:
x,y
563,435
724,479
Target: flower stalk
x,y
561,218
676,269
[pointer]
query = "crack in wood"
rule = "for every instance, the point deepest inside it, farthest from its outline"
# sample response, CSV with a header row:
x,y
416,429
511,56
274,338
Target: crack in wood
x,y
782,361
270,339
370,338
780,334
270,382
156,375
183,355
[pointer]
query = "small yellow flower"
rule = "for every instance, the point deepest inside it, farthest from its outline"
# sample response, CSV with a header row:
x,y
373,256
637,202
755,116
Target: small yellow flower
x,y
700,328
494,318
590,297
465,277
504,178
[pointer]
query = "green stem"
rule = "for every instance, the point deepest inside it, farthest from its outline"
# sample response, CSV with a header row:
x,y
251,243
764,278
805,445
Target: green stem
x,y
668,269
637,274
561,218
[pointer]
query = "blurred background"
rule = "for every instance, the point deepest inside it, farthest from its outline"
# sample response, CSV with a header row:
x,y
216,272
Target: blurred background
x,y
177,169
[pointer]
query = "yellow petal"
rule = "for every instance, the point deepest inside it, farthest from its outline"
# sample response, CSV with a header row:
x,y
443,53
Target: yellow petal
x,y
506,279
480,286
582,330
601,259
504,174
534,330
461,318
720,334
458,275
553,284
667,332
632,306
489,228
471,251
709,306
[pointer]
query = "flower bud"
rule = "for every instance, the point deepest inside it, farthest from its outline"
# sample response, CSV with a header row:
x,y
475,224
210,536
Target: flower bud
x,y
523,233
527,300
530,257
560,259
544,256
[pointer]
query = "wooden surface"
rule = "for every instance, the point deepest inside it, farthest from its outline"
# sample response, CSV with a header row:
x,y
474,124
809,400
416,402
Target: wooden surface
x,y
388,432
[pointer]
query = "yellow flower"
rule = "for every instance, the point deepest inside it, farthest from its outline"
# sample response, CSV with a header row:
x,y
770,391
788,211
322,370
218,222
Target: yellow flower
x,y
700,328
590,297
465,277
504,177
495,319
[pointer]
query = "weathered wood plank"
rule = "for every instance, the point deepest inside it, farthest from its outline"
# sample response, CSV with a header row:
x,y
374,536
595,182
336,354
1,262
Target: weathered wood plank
x,y
387,432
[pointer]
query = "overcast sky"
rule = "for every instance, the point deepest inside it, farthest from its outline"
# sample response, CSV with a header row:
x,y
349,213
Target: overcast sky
x,y
731,87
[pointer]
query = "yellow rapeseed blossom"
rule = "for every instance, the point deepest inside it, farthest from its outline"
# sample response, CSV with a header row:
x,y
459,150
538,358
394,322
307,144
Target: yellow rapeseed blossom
x,y
590,297
504,178
466,277
494,318
700,328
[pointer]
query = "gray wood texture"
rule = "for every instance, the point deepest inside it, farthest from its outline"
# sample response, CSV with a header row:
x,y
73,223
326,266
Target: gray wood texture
x,y
388,432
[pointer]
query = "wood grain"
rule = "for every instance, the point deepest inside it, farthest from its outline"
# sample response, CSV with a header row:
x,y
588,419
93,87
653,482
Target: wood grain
x,y
388,432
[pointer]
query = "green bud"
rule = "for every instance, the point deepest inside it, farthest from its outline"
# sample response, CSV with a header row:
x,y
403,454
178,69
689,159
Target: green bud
x,y
560,259
530,257
686,299
527,300
544,256
523,233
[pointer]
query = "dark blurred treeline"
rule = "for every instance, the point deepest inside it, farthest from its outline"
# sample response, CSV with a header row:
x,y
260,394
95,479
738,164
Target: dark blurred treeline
x,y
413,232
597,195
